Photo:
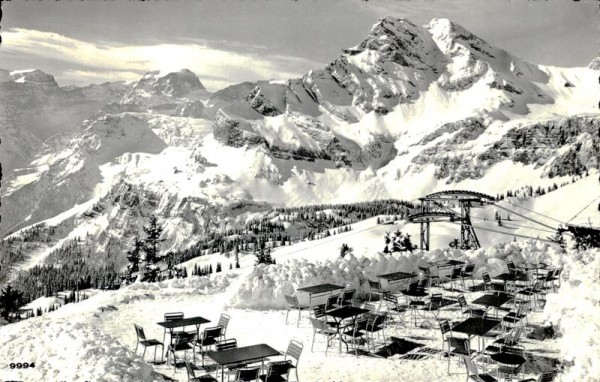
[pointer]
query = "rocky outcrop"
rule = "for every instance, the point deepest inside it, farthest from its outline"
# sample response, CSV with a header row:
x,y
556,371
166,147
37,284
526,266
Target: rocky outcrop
x,y
235,133
262,104
191,109
565,146
35,78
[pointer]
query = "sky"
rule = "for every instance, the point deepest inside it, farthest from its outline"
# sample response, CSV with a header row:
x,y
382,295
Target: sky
x,y
230,41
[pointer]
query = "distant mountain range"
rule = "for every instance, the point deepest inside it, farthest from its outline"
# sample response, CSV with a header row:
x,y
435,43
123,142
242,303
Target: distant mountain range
x,y
409,110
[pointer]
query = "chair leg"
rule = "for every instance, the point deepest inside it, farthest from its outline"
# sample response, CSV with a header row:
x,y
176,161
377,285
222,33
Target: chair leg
x,y
286,316
299,316
313,342
144,353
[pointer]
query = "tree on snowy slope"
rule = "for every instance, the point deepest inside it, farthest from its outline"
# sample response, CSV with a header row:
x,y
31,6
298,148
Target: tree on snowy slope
x,y
263,254
134,256
153,233
10,301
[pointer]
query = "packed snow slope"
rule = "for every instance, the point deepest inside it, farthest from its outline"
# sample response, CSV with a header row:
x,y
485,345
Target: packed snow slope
x,y
409,110
95,339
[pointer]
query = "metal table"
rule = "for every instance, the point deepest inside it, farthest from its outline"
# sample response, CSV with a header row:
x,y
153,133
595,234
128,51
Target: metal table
x,y
396,278
415,300
245,354
343,313
495,300
476,326
197,321
319,290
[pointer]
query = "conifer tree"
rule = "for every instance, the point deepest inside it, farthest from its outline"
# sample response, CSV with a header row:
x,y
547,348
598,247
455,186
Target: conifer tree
x,y
152,242
11,300
134,255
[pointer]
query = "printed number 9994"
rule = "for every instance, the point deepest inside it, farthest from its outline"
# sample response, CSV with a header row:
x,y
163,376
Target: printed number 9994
x,y
21,365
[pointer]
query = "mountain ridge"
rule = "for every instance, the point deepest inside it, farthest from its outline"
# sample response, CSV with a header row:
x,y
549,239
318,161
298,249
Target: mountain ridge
x,y
408,110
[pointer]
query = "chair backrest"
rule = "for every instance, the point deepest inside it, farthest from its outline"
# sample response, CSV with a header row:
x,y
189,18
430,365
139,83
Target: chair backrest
x,y
538,286
558,273
173,316
435,301
522,309
319,310
190,371
444,326
224,321
462,301
512,338
471,367
291,300
547,377
227,344
347,296
389,298
469,268
331,302
511,266
318,324
373,307
247,374
456,272
421,285
513,350
182,338
375,286
294,350
376,321
278,369
214,332
486,278
459,343
139,331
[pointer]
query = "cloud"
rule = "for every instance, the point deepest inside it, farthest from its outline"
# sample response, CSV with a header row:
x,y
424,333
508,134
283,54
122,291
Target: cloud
x,y
121,62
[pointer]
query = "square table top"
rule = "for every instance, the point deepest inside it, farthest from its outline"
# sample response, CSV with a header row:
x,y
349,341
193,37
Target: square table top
x,y
413,292
394,276
242,354
508,358
346,312
476,326
184,322
447,263
531,266
321,288
496,300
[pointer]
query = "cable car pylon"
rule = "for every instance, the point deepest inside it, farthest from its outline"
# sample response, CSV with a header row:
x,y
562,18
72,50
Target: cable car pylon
x,y
435,208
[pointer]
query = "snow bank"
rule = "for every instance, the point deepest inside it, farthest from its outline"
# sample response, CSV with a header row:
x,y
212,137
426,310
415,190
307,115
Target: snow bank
x,y
265,286
576,311
211,284
64,350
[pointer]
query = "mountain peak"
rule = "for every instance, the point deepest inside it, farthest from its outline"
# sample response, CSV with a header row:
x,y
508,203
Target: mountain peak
x,y
176,84
160,84
595,64
397,40
34,76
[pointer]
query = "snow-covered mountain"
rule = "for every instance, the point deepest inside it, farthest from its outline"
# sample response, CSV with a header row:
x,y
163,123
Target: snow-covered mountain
x,y
409,110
